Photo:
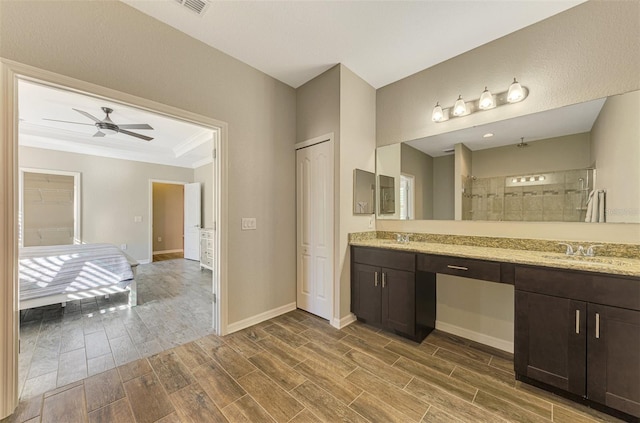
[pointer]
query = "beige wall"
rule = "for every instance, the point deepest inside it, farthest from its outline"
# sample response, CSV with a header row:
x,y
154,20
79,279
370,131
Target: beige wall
x,y
115,46
420,165
560,153
168,217
357,151
204,175
618,169
113,193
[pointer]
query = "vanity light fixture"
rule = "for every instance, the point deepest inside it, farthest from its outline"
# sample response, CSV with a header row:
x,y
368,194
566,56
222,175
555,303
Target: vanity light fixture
x,y
460,108
515,93
487,101
438,114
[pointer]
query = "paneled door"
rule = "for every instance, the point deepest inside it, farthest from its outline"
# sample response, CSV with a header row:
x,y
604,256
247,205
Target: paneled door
x,y
314,201
192,221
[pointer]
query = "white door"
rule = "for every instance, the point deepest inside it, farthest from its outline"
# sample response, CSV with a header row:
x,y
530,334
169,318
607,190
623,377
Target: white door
x,y
314,188
192,221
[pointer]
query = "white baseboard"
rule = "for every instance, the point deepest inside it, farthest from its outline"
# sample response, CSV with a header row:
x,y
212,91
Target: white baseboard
x,y
145,261
168,251
259,318
343,322
482,338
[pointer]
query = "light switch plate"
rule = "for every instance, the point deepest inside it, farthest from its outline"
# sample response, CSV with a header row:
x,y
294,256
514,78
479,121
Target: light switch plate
x,y
248,224
137,219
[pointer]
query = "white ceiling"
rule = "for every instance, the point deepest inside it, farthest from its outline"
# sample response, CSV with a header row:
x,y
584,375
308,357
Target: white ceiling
x,y
574,119
175,142
381,41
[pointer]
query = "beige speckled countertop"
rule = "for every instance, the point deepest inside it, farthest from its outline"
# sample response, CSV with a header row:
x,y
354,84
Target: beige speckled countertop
x,y
600,264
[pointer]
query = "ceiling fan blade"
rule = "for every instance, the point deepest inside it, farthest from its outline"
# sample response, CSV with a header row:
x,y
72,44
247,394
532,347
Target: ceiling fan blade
x,y
133,134
99,134
68,121
93,118
135,126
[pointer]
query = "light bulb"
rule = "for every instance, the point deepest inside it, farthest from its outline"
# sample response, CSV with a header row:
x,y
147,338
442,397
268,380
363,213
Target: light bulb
x,y
438,114
515,93
460,108
486,100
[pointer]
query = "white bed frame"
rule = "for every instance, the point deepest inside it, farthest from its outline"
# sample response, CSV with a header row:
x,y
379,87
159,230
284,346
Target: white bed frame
x,y
87,293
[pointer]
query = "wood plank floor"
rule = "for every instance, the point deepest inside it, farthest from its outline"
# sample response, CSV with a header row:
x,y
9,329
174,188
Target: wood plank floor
x,y
297,368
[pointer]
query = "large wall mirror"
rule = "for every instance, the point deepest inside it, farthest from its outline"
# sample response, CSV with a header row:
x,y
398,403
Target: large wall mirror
x,y
572,164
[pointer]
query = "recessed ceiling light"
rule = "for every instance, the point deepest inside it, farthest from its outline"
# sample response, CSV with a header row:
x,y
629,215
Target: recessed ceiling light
x,y
488,135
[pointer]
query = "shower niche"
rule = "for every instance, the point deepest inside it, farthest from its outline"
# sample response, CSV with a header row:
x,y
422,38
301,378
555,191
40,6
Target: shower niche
x,y
559,196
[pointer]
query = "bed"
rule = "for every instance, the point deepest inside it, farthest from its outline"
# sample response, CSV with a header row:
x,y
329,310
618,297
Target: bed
x,y
60,273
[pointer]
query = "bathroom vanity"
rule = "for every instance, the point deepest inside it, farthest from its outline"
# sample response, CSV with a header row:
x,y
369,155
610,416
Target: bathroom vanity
x,y
577,322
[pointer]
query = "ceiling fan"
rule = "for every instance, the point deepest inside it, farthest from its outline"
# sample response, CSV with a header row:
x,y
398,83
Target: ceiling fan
x,y
107,127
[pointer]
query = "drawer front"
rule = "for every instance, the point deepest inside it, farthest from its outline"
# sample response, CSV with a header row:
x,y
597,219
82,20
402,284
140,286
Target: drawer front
x,y
468,268
617,291
384,258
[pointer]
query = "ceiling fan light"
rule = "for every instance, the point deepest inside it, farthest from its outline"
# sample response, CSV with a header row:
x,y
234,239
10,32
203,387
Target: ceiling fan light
x,y
515,93
438,114
460,108
486,100
108,131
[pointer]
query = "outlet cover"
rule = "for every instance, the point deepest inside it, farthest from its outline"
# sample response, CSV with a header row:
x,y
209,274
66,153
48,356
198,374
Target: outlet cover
x,y
137,219
248,224
123,247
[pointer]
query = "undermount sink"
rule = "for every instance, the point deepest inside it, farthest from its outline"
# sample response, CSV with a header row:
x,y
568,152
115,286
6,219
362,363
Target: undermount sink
x,y
596,261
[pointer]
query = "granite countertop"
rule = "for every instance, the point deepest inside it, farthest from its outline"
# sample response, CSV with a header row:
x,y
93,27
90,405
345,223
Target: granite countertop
x,y
600,264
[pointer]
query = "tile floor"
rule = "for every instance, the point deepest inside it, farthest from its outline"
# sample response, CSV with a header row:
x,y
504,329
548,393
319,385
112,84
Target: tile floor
x,y
297,368
63,345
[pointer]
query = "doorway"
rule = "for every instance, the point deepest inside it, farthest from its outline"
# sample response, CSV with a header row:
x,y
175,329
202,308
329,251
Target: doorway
x,y
11,73
167,220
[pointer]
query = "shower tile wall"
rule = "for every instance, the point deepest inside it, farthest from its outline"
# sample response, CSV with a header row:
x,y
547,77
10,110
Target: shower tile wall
x,y
490,199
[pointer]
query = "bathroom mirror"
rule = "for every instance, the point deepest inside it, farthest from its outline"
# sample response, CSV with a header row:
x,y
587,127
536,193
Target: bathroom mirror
x,y
563,155
364,189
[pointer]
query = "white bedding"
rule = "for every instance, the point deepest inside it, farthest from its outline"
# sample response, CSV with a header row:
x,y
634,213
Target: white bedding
x,y
72,269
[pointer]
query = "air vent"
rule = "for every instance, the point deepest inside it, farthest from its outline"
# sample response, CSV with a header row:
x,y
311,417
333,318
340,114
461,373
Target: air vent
x,y
448,150
196,6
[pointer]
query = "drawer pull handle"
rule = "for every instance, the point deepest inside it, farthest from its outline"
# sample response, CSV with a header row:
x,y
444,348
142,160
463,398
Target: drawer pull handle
x,y
375,279
597,325
384,279
451,266
577,321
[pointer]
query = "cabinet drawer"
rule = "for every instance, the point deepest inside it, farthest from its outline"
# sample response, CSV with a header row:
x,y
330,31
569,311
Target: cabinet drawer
x,y
617,291
468,268
384,258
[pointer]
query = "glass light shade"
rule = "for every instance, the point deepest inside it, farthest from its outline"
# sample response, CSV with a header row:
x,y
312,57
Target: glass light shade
x,y
515,93
438,114
459,108
486,100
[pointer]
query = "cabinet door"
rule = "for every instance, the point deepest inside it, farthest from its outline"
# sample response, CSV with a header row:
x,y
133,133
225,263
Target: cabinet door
x,y
550,340
398,301
367,293
614,358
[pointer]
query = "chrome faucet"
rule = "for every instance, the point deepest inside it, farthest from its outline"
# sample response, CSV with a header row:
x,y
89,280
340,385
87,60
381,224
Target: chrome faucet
x,y
589,252
569,251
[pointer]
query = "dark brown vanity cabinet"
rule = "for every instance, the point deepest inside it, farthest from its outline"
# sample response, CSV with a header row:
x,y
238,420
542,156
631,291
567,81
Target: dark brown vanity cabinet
x,y
386,293
580,332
